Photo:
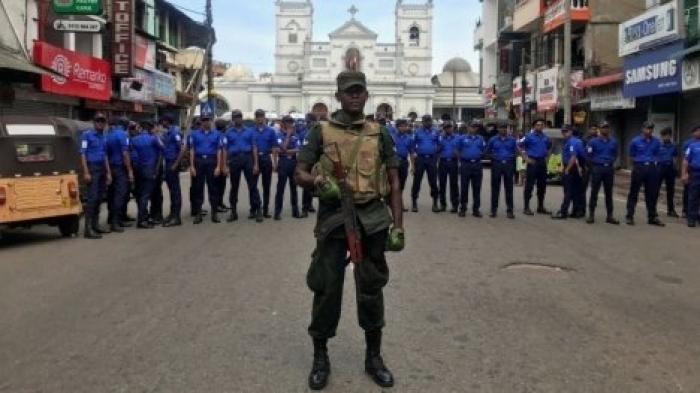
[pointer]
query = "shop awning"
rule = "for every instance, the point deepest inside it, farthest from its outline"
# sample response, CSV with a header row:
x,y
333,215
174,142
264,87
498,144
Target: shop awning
x,y
686,52
601,80
11,61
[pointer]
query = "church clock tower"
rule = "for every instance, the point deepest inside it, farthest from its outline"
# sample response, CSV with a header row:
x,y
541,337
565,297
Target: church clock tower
x,y
294,29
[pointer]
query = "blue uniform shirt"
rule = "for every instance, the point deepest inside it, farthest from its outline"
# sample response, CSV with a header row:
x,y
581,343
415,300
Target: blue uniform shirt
x,y
644,150
404,144
148,148
93,146
205,143
536,145
448,145
471,147
266,139
117,143
692,155
667,152
294,143
172,141
503,148
425,142
239,140
573,147
602,151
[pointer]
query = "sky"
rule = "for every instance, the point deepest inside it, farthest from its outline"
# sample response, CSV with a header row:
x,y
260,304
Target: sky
x,y
245,29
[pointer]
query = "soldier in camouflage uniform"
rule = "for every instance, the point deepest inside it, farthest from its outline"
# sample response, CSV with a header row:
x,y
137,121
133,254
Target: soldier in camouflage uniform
x,y
368,156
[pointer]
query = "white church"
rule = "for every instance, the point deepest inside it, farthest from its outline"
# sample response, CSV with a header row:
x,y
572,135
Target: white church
x,y
399,74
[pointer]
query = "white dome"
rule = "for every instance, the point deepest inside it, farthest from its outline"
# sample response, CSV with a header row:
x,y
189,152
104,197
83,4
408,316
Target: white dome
x,y
238,73
457,64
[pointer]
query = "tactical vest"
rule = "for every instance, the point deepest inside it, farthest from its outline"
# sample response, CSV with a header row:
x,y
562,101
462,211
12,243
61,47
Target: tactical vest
x,y
366,173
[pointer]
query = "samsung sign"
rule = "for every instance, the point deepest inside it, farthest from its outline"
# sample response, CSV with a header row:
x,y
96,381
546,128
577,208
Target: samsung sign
x,y
657,26
653,72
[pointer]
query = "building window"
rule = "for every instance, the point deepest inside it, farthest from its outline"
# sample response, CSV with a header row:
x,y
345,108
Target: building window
x,y
293,38
386,63
319,63
414,35
173,33
146,17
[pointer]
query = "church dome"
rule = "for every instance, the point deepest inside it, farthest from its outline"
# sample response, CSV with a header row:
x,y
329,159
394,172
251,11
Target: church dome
x,y
457,64
238,73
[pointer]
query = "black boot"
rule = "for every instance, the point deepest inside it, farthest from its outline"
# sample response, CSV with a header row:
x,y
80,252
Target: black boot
x,y
527,211
321,369
215,216
414,208
89,234
115,227
591,218
173,221
374,364
436,208
198,219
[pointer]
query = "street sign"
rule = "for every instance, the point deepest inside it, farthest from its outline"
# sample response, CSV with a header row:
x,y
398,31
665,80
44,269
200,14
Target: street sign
x,y
77,7
77,26
206,108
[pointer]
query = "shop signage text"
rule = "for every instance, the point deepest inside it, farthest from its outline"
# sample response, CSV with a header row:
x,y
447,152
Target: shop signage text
x,y
547,89
655,27
77,7
653,72
77,26
122,37
609,97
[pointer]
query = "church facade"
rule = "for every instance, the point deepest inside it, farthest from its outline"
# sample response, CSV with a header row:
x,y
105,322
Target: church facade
x,y
398,73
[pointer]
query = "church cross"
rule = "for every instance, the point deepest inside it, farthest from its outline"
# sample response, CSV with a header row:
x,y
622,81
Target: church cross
x,y
353,10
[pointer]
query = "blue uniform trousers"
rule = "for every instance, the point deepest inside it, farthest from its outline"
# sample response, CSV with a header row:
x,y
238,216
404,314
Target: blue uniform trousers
x,y
265,164
403,172
536,175
667,176
644,175
156,211
95,192
504,170
285,173
425,164
602,175
205,167
146,185
448,170
573,182
118,192
242,164
172,179
694,196
471,173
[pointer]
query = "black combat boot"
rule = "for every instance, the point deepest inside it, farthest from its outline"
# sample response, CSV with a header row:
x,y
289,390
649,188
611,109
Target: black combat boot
x,y
321,369
215,216
115,227
173,221
99,229
591,218
89,234
527,211
542,210
414,208
374,364
436,208
197,219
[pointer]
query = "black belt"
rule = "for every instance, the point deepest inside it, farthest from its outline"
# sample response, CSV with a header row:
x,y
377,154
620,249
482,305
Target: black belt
x,y
602,164
666,163
447,159
293,158
205,156
242,153
427,155
470,161
504,162
536,158
96,163
645,163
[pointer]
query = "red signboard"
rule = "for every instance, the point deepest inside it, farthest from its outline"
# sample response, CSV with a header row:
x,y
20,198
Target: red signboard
x,y
555,14
122,37
144,53
83,76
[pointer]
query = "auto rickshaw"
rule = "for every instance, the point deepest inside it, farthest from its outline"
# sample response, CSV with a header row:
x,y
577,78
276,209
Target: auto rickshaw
x,y
39,182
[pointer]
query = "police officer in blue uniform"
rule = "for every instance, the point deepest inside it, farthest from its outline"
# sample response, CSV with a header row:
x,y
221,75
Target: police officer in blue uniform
x,y
668,153
96,173
535,148
221,125
425,147
602,154
448,169
205,165
695,137
644,152
691,177
149,149
155,215
267,143
574,161
503,148
241,157
173,149
307,197
471,148
403,141
122,174
288,142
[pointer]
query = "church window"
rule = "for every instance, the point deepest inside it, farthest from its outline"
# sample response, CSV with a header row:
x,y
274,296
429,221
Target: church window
x,y
386,63
293,38
414,35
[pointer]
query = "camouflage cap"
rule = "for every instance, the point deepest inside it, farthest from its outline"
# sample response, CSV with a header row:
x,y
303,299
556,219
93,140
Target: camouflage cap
x,y
350,79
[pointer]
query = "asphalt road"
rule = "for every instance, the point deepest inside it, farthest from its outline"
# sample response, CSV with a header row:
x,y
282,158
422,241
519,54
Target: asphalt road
x,y
224,308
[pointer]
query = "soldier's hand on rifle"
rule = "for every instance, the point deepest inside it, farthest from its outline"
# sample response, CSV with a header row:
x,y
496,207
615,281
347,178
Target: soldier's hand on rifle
x,y
396,241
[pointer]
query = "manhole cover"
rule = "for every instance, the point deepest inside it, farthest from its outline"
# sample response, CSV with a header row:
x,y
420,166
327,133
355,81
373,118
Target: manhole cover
x,y
537,266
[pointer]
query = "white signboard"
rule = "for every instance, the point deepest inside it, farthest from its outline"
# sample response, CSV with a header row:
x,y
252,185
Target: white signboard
x,y
548,89
609,98
656,26
691,74
530,90
77,26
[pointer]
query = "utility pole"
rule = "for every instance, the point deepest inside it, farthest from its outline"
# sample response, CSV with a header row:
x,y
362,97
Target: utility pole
x,y
210,55
454,96
523,87
566,99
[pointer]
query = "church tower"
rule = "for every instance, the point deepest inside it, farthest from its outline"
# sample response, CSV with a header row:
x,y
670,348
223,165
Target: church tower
x,y
294,30
414,36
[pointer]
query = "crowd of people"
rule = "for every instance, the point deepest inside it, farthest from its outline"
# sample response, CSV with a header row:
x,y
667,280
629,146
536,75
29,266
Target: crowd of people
x,y
123,159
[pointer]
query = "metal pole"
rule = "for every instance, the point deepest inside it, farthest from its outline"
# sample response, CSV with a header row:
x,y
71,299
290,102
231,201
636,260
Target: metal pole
x,y
523,88
454,95
566,99
210,56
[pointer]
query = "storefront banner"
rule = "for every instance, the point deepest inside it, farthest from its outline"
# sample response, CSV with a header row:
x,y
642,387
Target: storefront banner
x,y
122,37
657,26
164,89
83,76
548,89
529,90
609,98
144,53
138,88
653,72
